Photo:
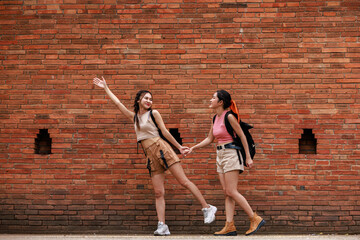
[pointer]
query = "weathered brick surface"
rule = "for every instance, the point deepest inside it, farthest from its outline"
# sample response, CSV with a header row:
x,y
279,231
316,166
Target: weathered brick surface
x,y
290,65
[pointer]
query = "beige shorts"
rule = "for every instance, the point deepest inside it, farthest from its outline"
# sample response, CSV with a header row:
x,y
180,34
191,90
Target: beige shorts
x,y
160,156
228,160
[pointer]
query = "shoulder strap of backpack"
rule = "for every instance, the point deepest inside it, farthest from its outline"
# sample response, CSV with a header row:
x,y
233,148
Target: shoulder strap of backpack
x,y
228,126
153,119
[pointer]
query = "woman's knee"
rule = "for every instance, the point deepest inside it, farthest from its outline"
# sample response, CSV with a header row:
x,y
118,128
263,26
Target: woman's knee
x,y
159,193
231,193
186,183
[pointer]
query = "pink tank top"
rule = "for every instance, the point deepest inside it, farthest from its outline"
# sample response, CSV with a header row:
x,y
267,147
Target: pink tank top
x,y
219,130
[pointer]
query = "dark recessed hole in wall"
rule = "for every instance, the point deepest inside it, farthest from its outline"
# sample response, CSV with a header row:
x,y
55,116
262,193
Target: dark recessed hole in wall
x,y
307,143
43,142
175,133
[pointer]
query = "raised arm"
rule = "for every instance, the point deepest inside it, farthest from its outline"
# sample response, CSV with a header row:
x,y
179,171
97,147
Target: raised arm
x,y
102,83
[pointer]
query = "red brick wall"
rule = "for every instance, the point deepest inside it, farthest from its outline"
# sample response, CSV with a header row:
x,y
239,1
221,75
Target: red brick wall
x,y
290,65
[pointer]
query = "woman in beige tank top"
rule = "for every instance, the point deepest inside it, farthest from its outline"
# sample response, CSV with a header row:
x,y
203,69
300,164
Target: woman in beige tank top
x,y
159,153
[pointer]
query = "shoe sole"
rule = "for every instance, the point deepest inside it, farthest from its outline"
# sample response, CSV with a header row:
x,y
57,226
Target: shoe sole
x,y
166,234
227,234
262,223
212,220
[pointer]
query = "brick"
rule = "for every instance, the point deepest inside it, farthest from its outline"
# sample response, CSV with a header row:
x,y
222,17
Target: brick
x,y
288,69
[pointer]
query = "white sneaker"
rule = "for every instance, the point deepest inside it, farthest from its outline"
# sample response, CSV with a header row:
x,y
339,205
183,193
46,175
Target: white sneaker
x,y
209,214
162,230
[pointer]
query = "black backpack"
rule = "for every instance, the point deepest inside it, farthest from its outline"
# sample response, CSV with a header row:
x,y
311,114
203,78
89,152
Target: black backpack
x,y
245,127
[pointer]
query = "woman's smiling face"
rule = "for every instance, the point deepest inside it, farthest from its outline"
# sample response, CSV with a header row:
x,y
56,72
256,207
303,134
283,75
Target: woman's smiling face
x,y
146,101
214,101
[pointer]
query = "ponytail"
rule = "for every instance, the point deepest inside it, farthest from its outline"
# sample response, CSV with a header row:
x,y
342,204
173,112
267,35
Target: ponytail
x,y
235,110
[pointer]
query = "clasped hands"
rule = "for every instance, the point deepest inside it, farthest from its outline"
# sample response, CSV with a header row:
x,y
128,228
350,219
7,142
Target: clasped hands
x,y
185,150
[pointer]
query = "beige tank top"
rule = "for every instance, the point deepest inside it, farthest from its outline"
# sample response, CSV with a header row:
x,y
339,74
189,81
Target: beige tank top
x,y
147,127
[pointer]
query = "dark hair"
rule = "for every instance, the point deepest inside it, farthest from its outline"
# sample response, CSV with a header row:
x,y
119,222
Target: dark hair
x,y
225,97
139,95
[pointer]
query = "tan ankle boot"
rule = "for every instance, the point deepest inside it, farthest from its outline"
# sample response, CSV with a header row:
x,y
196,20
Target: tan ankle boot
x,y
228,230
256,222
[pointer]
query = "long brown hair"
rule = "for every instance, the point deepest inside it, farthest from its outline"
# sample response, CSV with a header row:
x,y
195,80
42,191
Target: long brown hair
x,y
139,95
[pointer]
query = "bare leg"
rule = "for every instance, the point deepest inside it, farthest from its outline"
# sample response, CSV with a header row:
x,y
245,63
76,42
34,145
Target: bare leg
x,y
229,202
231,182
178,172
159,189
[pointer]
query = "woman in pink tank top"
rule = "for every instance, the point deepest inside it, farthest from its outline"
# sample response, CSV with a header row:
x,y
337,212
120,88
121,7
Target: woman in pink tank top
x,y
229,162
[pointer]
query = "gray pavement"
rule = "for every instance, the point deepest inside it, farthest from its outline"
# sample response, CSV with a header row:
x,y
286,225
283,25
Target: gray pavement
x,y
176,237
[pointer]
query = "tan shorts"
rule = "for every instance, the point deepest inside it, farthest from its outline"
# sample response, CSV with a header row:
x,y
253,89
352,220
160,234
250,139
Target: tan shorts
x,y
228,160
160,156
